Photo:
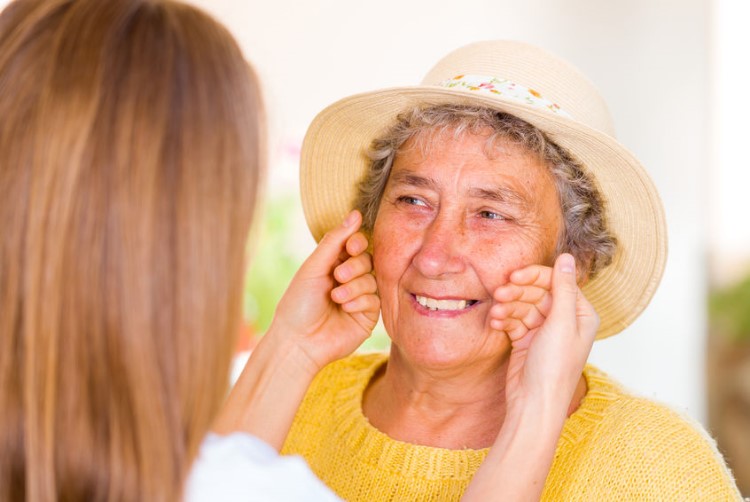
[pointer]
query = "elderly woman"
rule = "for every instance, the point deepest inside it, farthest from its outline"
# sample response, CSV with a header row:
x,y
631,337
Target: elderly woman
x,y
475,182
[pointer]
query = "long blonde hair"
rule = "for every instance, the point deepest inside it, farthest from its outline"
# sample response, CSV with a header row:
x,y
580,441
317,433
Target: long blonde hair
x,y
130,150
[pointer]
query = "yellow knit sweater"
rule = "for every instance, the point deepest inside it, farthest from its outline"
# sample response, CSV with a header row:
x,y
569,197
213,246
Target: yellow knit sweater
x,y
614,447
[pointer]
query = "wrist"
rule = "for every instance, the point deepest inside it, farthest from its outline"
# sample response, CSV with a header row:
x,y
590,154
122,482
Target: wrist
x,y
523,452
552,403
267,394
535,420
283,347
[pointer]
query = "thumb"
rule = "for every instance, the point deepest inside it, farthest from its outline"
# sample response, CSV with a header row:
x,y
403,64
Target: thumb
x,y
325,256
564,290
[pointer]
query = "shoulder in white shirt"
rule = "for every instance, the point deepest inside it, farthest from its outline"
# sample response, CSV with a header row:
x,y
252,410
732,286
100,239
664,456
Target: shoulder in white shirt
x,y
241,467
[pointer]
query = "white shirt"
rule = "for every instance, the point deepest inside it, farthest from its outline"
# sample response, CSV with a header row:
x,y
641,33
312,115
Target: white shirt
x,y
242,467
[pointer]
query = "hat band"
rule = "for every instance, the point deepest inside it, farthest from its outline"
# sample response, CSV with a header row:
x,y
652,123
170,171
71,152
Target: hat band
x,y
505,88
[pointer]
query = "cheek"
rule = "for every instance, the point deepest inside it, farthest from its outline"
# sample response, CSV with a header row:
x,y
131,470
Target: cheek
x,y
495,259
387,280
394,244
389,267
390,261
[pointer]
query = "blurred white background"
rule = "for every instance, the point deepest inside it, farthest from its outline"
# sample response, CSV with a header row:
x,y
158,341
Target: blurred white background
x,y
673,72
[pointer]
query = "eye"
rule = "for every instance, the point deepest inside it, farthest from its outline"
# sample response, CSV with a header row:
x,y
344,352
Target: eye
x,y
412,201
491,215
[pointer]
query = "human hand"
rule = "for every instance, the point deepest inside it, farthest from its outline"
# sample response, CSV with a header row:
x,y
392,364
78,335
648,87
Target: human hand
x,y
331,305
551,327
328,310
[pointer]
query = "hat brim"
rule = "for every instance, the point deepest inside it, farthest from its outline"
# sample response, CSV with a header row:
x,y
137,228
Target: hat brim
x,y
334,160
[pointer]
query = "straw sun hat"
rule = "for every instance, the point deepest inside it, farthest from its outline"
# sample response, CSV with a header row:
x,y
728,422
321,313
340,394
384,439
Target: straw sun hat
x,y
539,88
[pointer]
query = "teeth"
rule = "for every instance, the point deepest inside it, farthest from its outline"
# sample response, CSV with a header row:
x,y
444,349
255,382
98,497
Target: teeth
x,y
433,304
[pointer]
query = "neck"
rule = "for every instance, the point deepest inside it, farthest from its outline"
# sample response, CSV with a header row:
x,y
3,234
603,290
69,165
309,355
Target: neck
x,y
440,407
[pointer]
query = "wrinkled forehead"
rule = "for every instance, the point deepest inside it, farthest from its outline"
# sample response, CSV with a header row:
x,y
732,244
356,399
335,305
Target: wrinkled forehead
x,y
429,142
474,164
495,144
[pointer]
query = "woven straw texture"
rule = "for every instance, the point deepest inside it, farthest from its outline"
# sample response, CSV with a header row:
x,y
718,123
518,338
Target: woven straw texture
x,y
614,447
334,159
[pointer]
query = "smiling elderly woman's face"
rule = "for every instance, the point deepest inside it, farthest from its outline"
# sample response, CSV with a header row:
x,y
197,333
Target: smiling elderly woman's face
x,y
455,219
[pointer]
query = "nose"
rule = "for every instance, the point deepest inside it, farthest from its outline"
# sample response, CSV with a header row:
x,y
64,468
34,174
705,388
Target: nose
x,y
442,248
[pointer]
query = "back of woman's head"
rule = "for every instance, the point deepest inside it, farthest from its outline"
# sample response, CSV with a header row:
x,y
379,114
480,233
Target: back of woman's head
x,y
129,159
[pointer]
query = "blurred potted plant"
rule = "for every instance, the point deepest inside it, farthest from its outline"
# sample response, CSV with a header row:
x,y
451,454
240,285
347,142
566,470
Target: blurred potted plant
x,y
275,258
729,376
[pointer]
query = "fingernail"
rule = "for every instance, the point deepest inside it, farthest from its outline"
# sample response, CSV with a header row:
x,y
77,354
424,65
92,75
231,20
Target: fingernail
x,y
350,219
567,263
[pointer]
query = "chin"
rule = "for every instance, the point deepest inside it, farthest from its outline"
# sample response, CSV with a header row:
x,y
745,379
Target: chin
x,y
446,352
431,355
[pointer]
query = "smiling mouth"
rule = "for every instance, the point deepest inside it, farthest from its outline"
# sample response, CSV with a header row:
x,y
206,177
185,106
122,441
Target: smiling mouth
x,y
444,305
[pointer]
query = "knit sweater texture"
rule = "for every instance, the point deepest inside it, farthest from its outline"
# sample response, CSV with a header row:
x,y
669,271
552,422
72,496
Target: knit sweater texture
x,y
614,447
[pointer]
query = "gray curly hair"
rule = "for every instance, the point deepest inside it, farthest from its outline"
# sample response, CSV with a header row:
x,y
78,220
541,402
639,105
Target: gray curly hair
x,y
585,234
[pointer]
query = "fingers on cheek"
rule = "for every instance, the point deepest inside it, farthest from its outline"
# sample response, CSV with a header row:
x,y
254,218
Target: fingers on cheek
x,y
363,285
534,275
512,293
352,268
340,294
525,276
509,326
342,273
499,311
356,244
533,318
545,305
362,264
504,293
518,276
364,303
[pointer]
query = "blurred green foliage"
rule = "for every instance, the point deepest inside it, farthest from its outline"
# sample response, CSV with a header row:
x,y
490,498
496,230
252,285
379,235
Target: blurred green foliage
x,y
729,310
274,261
378,340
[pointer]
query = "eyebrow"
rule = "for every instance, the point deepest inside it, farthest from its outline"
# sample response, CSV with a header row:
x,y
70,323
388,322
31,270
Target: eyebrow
x,y
410,179
494,194
497,194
